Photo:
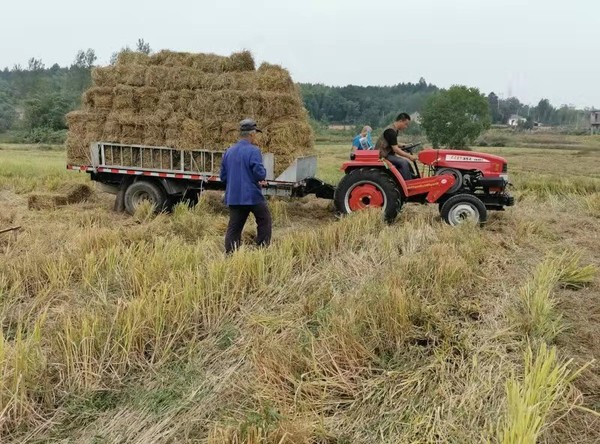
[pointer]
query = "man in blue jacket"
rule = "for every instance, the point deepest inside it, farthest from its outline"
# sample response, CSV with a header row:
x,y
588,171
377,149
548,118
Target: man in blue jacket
x,y
244,174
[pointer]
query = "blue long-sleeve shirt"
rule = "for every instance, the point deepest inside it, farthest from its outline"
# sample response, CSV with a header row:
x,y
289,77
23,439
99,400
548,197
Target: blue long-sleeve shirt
x,y
241,170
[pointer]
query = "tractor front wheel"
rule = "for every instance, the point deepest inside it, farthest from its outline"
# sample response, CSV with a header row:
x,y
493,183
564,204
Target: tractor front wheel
x,y
368,188
462,208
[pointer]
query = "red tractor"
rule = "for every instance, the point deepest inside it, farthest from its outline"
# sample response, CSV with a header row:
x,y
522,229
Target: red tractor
x,y
464,184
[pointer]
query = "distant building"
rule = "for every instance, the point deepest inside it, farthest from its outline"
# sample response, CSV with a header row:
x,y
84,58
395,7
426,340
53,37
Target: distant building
x,y
515,120
595,121
341,127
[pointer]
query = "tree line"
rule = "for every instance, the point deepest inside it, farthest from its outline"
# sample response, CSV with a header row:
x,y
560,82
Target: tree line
x,y
35,98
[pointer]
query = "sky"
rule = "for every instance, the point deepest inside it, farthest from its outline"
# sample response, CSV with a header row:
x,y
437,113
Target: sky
x,y
530,49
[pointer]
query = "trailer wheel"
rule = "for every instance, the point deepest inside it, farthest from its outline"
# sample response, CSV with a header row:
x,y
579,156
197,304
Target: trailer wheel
x,y
368,188
463,207
458,178
143,190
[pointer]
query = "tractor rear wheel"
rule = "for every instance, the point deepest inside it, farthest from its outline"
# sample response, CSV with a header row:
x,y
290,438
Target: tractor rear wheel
x,y
368,188
462,208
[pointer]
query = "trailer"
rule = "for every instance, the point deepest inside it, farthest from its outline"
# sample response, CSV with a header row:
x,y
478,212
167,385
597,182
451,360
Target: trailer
x,y
165,176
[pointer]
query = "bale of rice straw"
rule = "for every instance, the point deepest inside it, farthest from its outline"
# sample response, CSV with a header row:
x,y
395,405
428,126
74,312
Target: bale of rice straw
x,y
45,201
156,76
124,98
274,78
132,75
98,98
200,135
282,106
112,130
105,76
241,61
154,131
129,57
289,134
184,101
224,104
173,130
168,102
83,127
230,133
146,99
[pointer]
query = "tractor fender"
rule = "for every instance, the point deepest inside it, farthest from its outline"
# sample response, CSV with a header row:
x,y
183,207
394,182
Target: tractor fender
x,y
383,164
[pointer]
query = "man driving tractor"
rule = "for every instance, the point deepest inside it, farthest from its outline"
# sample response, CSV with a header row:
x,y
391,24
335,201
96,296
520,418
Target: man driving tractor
x,y
388,147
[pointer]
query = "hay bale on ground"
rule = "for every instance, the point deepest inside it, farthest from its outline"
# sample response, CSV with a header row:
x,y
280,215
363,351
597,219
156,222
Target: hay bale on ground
x,y
45,201
75,192
67,194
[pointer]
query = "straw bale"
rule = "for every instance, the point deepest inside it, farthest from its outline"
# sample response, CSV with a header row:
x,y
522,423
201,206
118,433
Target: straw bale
x,y
200,135
105,76
274,78
154,131
84,128
241,61
230,133
45,201
146,98
168,101
224,104
112,130
173,130
289,135
129,57
75,192
132,75
185,100
156,76
124,98
98,98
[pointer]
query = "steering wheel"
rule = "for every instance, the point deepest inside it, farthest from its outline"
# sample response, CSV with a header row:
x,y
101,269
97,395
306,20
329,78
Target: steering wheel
x,y
410,148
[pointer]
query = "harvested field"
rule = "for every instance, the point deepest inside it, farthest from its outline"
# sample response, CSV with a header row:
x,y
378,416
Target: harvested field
x,y
190,101
138,329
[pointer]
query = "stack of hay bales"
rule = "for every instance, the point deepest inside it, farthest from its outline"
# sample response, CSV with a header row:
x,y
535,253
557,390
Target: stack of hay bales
x,y
190,101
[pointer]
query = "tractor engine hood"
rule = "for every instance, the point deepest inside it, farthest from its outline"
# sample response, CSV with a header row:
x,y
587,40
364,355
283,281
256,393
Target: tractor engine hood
x,y
464,160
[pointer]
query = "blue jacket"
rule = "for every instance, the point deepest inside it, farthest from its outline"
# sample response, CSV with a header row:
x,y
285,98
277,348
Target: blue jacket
x,y
241,170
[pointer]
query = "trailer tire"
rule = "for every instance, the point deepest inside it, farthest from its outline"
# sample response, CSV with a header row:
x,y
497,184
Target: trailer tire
x,y
368,187
143,190
462,207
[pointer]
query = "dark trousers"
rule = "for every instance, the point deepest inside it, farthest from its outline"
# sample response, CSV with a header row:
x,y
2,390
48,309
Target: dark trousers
x,y
402,164
238,214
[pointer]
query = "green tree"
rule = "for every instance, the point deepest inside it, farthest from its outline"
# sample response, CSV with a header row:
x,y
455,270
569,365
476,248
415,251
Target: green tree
x,y
455,117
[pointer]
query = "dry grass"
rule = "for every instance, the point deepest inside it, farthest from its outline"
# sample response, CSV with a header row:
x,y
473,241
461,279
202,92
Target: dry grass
x,y
138,329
